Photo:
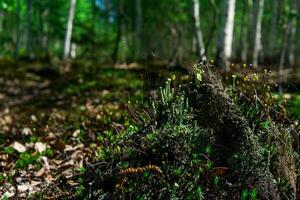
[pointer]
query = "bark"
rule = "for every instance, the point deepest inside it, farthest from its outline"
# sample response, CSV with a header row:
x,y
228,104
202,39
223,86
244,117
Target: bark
x,y
244,33
42,33
215,110
93,28
176,54
289,27
200,49
293,31
119,31
213,27
257,47
273,29
67,45
28,24
224,46
1,20
138,27
17,40
1,28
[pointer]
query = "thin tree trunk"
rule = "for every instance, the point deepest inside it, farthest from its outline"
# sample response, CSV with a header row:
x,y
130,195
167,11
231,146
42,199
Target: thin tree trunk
x,y
93,30
282,56
200,49
1,20
67,46
43,34
28,24
224,46
215,14
119,32
17,41
138,27
273,29
244,33
1,29
293,31
257,47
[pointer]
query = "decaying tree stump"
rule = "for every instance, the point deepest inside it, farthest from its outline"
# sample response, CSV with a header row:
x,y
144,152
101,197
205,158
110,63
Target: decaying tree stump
x,y
214,109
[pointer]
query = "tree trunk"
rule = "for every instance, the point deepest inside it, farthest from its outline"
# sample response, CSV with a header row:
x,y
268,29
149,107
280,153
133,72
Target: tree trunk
x,y
1,20
138,27
273,30
293,31
28,24
1,30
17,40
257,47
244,45
67,46
119,31
224,46
282,56
200,49
92,38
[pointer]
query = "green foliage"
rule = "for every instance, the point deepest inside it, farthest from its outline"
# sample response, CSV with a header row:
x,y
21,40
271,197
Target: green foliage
x,y
79,191
180,150
1,177
8,150
26,159
267,116
4,197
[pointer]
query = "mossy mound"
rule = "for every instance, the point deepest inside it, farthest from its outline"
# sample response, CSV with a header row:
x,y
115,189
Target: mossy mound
x,y
196,142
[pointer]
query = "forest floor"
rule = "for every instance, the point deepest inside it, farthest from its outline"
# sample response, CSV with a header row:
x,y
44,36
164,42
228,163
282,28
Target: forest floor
x,y
51,121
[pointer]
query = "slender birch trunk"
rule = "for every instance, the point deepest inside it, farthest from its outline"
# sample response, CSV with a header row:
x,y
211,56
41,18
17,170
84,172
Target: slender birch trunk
x,y
224,46
257,47
67,46
200,49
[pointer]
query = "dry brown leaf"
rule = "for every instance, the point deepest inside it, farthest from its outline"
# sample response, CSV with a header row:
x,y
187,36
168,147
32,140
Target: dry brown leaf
x,y
57,162
19,147
40,147
26,131
48,178
23,187
9,194
76,133
40,172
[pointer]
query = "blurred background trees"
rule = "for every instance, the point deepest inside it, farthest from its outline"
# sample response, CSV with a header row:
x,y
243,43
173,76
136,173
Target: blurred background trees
x,y
117,31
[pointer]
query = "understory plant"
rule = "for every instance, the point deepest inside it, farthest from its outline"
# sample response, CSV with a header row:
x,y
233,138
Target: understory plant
x,y
175,152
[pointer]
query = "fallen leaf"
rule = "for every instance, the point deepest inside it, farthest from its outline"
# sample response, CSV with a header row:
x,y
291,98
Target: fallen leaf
x,y
26,131
19,147
76,133
45,163
48,178
33,118
8,194
40,147
72,183
23,187
57,162
35,183
40,172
